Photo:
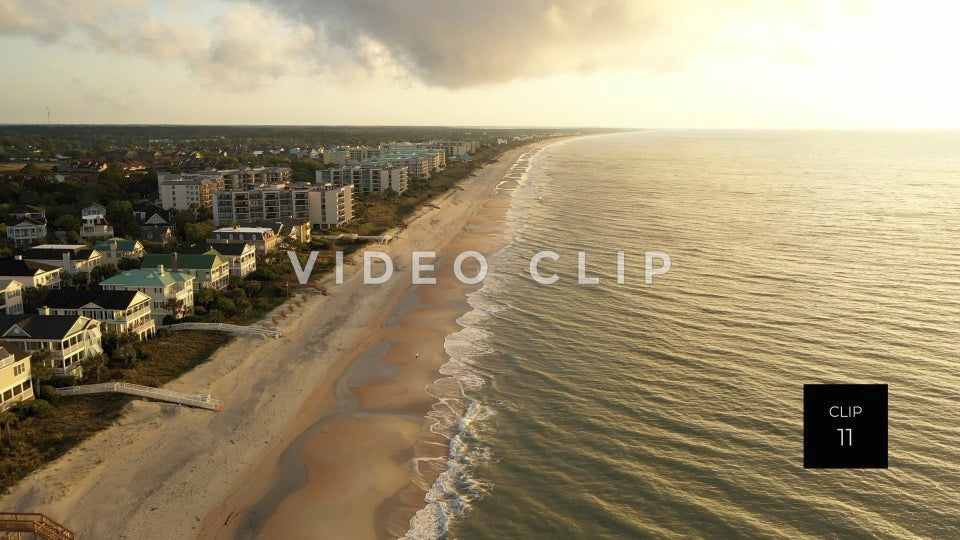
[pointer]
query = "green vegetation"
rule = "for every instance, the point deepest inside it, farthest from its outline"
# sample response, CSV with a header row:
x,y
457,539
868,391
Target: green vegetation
x,y
40,431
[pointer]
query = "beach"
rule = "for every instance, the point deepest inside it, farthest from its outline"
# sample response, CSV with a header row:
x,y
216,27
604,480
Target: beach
x,y
322,431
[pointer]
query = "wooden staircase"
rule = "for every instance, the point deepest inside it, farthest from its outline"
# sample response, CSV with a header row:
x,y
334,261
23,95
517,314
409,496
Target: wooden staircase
x,y
27,525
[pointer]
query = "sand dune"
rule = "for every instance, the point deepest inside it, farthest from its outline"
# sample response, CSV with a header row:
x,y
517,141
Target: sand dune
x,y
167,472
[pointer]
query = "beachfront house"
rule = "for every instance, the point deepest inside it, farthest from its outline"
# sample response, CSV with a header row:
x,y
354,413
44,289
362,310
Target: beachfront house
x,y
15,383
171,293
119,312
11,297
150,214
116,249
27,231
209,269
70,338
95,227
73,259
30,274
156,234
242,257
95,209
262,238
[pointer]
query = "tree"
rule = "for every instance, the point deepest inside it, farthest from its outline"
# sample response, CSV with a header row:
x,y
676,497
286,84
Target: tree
x,y
127,263
120,215
41,368
94,365
175,307
67,222
182,217
101,273
196,233
7,419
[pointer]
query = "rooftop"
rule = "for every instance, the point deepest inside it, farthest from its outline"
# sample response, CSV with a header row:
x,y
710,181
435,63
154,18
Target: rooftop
x,y
192,261
147,277
40,326
79,298
15,267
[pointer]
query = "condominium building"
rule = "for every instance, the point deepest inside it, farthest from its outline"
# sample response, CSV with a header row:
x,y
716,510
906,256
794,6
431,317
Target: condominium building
x,y
249,177
210,269
15,383
436,157
70,338
195,190
11,297
367,178
340,155
188,191
73,259
119,312
324,206
453,149
165,289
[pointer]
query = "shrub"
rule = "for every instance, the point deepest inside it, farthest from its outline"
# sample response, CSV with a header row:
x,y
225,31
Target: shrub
x,y
48,393
37,407
63,380
224,304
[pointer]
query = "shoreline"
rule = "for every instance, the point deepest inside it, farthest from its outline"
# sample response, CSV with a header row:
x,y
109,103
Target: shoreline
x,y
351,470
175,471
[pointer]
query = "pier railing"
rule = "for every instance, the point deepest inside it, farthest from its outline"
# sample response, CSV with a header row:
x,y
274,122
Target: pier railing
x,y
202,401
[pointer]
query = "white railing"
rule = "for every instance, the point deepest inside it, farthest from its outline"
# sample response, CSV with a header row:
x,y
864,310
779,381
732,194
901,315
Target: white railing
x,y
203,401
232,328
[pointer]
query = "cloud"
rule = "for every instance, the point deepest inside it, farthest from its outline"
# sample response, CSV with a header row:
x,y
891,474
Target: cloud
x,y
243,44
242,48
457,44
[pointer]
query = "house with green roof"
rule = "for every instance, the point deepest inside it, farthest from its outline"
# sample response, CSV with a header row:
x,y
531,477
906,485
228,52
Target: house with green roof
x,y
114,250
211,269
171,293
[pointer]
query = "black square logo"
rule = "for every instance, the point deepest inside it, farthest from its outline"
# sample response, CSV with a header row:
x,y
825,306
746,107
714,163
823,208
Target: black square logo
x,y
845,426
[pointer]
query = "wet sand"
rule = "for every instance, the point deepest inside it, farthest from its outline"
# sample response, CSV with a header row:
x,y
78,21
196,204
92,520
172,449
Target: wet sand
x,y
363,469
319,428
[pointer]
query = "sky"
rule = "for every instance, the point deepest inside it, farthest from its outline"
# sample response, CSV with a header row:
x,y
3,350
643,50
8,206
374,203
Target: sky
x,y
741,64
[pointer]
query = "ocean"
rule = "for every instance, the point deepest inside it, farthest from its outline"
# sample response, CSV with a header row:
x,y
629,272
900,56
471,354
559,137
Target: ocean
x,y
675,409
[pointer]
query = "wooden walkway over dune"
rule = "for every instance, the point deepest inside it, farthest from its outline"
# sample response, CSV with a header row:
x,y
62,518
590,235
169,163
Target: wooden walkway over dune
x,y
201,401
231,328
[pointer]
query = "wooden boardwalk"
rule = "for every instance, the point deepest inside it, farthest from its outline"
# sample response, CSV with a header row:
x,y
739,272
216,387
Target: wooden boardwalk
x,y
202,401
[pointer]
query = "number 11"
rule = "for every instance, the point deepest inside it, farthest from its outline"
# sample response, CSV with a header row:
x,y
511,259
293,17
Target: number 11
x,y
848,440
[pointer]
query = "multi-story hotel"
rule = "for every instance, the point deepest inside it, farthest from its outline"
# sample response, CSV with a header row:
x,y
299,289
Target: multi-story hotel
x,y
366,178
325,206
188,191
195,190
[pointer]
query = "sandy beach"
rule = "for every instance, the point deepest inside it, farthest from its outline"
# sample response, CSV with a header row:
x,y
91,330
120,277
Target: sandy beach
x,y
322,431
